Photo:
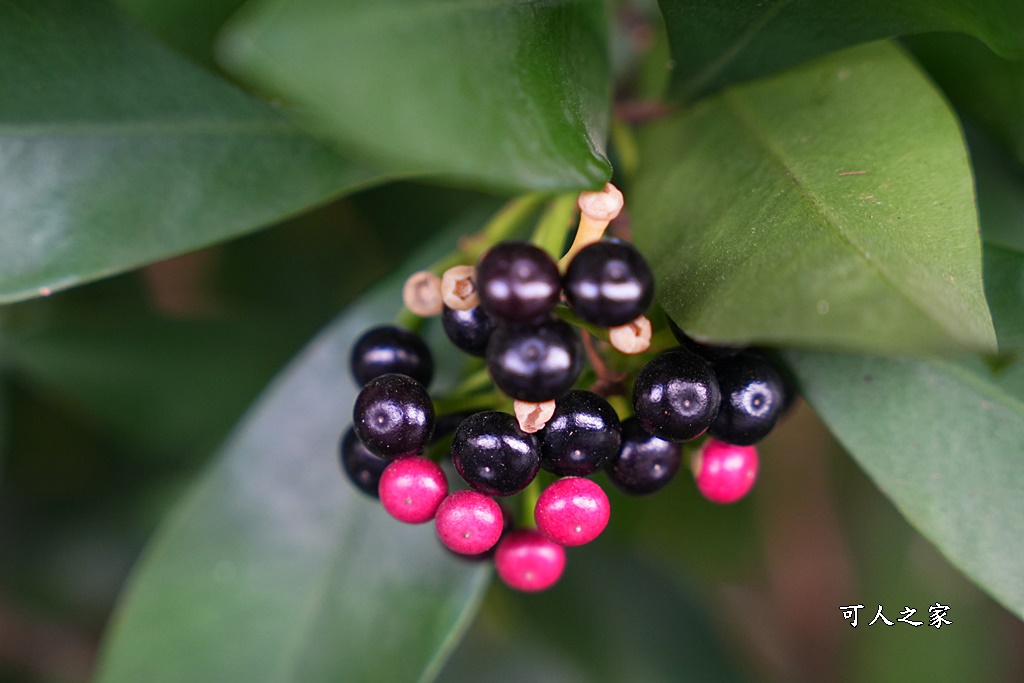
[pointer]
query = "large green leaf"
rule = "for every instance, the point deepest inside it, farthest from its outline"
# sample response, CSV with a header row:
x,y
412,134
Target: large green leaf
x,y
115,152
718,43
830,206
190,26
500,92
945,442
276,569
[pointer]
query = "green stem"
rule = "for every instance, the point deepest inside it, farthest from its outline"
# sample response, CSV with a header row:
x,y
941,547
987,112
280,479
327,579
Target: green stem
x,y
626,148
555,224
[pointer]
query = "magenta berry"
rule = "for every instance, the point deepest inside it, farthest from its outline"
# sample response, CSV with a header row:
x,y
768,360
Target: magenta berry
x,y
572,511
527,561
725,472
469,522
411,489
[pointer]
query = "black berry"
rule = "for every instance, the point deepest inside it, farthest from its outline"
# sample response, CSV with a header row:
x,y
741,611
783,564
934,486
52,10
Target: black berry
x,y
609,283
518,282
708,352
387,349
645,463
493,455
393,416
362,467
753,398
581,436
469,330
535,363
676,396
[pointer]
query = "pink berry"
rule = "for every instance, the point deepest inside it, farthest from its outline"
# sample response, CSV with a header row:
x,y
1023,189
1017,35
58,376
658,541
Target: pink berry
x,y
412,488
527,561
724,472
469,522
572,511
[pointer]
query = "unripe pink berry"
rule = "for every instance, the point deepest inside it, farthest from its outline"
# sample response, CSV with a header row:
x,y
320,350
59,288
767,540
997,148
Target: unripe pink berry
x,y
412,488
469,522
724,472
572,511
528,562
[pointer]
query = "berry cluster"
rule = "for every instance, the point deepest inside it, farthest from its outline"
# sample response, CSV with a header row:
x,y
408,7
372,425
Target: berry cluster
x,y
507,310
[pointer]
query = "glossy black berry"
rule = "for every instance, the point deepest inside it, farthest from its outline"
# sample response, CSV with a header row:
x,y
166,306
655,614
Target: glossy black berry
x,y
393,416
362,467
645,463
609,283
708,352
753,398
582,434
387,349
468,330
535,363
676,396
493,455
518,282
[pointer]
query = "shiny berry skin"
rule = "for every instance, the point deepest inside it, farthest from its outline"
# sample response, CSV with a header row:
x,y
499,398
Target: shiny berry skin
x,y
493,455
526,561
393,416
385,350
362,467
725,472
609,283
753,398
412,488
535,363
469,330
708,352
518,282
581,436
645,463
676,396
572,511
469,523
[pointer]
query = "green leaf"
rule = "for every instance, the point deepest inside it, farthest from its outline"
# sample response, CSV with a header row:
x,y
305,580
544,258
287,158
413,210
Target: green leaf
x,y
190,26
500,93
984,88
830,207
945,442
718,43
276,569
115,152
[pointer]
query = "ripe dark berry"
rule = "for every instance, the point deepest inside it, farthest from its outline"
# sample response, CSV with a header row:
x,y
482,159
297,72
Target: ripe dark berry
x,y
708,352
469,330
393,416
362,467
469,523
387,349
572,511
527,561
645,463
725,472
753,398
518,282
609,283
493,455
535,363
412,488
676,396
581,436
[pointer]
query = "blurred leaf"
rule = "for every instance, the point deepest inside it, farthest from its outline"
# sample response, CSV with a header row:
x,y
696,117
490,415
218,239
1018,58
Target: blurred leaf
x,y
277,569
982,86
945,442
189,26
718,43
1004,285
114,152
830,206
502,93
